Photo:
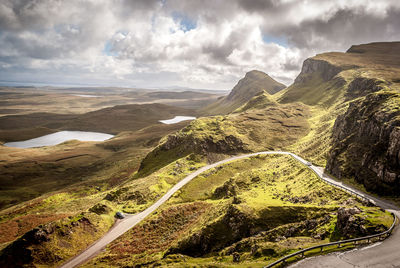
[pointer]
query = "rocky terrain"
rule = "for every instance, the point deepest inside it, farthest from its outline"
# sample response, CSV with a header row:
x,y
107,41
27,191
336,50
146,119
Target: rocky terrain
x,y
360,90
366,143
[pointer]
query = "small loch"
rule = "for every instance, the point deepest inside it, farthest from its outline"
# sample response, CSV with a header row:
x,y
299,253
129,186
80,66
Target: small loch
x,y
60,137
177,119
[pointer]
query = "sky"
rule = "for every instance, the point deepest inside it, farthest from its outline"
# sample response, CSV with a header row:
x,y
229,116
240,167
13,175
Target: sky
x,y
186,43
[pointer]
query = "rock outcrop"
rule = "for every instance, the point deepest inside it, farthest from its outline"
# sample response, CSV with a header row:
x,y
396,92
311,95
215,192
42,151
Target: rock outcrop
x,y
26,249
362,86
349,224
366,143
229,144
326,70
181,144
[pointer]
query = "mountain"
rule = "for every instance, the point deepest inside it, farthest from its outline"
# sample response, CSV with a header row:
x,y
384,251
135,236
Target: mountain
x,y
342,112
360,89
254,83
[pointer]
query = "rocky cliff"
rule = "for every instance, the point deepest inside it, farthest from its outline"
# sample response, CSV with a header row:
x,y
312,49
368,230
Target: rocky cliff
x,y
358,93
366,143
310,66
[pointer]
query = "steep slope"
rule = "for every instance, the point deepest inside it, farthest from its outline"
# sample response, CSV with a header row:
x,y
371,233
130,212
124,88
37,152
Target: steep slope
x,y
355,98
254,83
366,143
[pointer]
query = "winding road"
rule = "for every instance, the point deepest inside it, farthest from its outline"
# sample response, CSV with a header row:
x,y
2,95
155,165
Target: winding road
x,y
390,248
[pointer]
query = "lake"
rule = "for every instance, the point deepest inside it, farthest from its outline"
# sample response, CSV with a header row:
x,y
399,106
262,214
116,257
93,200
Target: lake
x,y
87,96
60,137
177,119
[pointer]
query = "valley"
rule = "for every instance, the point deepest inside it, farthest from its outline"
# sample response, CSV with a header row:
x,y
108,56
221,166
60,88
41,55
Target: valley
x,y
341,113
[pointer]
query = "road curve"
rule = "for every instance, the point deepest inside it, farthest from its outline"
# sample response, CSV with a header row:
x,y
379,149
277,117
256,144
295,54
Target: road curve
x,y
381,254
124,225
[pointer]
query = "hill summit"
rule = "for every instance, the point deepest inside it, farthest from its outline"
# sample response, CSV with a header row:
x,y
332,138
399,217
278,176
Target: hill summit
x,y
252,84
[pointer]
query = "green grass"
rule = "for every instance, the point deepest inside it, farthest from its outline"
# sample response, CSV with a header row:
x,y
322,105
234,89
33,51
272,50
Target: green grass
x,y
273,193
274,127
257,102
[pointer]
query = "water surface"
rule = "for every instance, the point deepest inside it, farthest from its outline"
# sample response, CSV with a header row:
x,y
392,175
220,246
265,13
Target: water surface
x,y
177,119
60,137
87,96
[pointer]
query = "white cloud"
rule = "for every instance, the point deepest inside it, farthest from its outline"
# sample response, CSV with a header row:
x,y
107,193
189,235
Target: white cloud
x,y
189,43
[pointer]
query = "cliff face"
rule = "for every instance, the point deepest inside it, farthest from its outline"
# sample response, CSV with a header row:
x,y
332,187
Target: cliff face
x,y
324,68
319,83
366,143
360,90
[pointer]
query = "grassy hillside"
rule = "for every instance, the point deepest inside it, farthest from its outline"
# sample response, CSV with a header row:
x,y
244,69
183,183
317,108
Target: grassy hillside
x,y
254,83
271,128
256,209
29,173
61,224
259,101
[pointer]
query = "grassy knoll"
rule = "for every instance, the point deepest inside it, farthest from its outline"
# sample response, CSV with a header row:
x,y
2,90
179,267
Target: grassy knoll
x,y
274,127
258,208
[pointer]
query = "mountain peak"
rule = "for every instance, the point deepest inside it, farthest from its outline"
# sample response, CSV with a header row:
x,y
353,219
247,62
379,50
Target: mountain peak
x,y
252,84
255,74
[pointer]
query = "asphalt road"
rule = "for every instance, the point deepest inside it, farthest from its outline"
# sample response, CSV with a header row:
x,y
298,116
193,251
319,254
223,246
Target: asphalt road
x,y
124,225
381,254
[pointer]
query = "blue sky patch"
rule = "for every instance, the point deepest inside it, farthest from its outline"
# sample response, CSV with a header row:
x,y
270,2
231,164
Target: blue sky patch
x,y
275,39
186,23
108,49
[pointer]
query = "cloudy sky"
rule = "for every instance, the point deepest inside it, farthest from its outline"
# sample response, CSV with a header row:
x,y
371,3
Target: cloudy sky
x,y
188,43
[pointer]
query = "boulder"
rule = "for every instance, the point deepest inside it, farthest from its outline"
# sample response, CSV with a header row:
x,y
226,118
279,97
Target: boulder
x,y
349,224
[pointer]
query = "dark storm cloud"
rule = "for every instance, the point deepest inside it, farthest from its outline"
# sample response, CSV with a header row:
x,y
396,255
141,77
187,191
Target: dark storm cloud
x,y
344,28
20,14
221,52
258,5
129,8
